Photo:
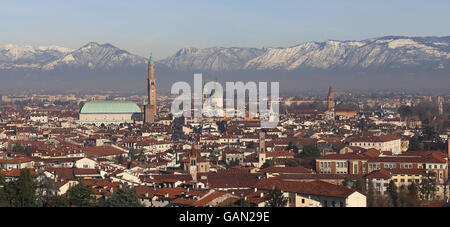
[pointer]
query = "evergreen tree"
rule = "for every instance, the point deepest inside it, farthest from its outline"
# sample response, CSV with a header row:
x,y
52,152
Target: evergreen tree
x,y
123,198
18,148
310,151
222,126
2,189
10,194
414,144
266,164
428,185
80,196
347,182
430,133
132,154
251,145
26,193
291,164
55,201
290,146
276,198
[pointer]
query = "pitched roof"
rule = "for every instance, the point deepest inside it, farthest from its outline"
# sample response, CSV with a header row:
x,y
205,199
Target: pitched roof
x,y
319,188
273,169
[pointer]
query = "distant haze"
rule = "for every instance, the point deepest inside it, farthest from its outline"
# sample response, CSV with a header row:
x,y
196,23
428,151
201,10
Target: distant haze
x,y
391,62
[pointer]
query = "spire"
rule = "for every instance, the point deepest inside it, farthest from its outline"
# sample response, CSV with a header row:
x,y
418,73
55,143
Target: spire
x,y
150,60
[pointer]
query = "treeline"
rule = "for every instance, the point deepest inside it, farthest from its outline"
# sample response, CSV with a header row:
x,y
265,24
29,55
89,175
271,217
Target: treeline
x,y
38,190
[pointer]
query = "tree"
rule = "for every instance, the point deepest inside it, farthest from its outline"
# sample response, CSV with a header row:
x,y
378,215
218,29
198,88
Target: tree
x,y
123,198
120,159
427,187
18,148
80,196
55,201
266,164
2,189
358,185
414,144
370,194
276,198
411,198
290,146
310,151
430,133
45,186
10,194
26,193
132,154
347,182
405,111
393,193
291,164
251,145
21,193
222,125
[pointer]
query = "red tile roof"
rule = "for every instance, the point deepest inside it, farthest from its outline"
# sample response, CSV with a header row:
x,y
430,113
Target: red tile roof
x,y
319,188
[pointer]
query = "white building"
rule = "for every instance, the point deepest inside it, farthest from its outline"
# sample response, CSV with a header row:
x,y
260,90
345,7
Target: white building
x,y
382,143
108,112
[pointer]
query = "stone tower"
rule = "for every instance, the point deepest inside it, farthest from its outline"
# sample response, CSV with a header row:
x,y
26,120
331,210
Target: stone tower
x,y
262,149
150,110
330,100
192,165
330,114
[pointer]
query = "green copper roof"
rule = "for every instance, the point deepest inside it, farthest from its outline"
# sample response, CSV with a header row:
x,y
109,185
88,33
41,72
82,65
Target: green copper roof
x,y
150,61
116,107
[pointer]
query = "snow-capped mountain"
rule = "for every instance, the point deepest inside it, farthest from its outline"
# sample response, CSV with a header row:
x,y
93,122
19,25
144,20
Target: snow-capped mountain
x,y
377,53
15,56
90,56
372,53
212,59
96,56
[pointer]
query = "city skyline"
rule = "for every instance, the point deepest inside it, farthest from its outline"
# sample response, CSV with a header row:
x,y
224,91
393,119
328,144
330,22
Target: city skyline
x,y
164,27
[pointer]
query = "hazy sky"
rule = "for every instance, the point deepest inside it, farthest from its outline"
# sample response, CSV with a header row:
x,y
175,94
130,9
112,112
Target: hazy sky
x,y
164,26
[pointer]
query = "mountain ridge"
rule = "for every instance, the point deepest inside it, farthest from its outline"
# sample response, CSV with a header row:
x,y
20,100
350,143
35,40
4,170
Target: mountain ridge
x,y
386,51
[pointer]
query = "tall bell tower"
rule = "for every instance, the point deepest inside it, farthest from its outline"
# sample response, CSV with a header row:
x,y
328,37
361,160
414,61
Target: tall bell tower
x,y
330,113
150,110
